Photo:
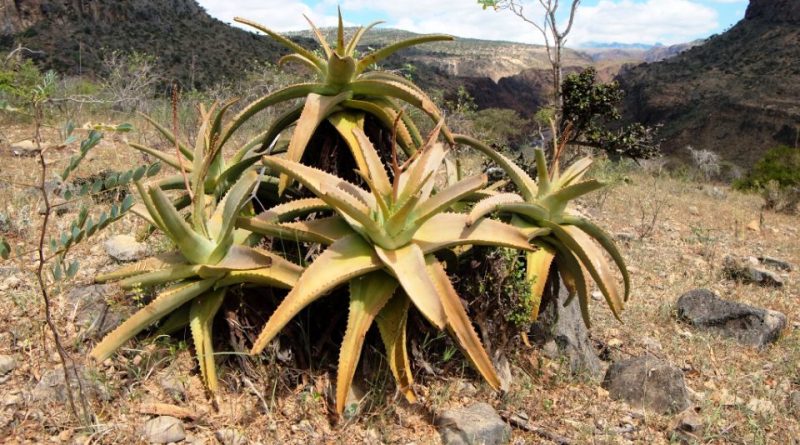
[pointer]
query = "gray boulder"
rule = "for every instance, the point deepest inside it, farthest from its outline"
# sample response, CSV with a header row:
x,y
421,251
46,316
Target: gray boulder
x,y
647,382
775,263
94,316
478,424
747,324
125,248
564,327
747,272
163,429
53,388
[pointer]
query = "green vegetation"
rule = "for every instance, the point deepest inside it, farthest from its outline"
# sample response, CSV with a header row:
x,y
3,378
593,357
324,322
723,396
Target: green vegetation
x,y
780,164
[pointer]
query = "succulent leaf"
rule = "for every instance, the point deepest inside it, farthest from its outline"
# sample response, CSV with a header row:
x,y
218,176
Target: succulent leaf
x,y
392,321
165,303
201,317
345,259
368,295
407,265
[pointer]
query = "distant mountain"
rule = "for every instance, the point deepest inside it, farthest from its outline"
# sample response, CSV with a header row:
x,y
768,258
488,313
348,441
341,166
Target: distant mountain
x,y
71,36
737,94
633,52
617,45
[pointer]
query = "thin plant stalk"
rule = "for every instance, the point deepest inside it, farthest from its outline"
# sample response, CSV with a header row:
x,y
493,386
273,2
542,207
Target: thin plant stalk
x,y
62,353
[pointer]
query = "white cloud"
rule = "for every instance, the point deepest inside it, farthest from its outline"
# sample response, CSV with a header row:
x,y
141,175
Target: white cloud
x,y
627,21
274,14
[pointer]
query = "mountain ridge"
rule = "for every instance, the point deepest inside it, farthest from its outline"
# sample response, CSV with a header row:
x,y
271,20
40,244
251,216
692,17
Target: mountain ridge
x,y
738,94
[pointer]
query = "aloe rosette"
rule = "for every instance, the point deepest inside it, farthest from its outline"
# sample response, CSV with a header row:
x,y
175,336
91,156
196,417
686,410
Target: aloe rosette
x,y
342,87
212,255
569,239
381,241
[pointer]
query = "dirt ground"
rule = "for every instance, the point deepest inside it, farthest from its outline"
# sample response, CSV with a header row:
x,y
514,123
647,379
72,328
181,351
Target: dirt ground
x,y
743,395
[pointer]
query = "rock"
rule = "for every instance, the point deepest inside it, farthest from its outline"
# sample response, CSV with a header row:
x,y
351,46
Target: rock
x,y
761,406
747,324
794,403
94,316
746,272
754,225
125,248
625,237
229,436
163,429
173,387
26,148
52,388
693,210
564,326
688,428
650,344
647,382
10,283
7,364
776,263
478,424
503,368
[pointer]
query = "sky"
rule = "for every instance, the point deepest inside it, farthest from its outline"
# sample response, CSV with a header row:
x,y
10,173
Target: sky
x,y
624,21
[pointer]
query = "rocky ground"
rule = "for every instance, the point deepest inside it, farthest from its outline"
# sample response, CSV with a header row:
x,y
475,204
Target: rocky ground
x,y
715,366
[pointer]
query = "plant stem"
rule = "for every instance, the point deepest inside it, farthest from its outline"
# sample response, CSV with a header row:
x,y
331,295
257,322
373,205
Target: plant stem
x,y
62,353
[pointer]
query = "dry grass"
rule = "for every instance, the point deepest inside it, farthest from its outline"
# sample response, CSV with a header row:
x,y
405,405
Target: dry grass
x,y
271,402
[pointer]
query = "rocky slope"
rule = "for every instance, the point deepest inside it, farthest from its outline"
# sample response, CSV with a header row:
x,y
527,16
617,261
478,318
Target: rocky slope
x,y
738,94
72,36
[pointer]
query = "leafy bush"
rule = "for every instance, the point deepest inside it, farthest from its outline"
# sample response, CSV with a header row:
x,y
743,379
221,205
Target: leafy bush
x,y
779,164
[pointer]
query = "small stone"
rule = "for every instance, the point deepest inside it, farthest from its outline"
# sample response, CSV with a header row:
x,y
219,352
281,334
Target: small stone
x,y
229,436
466,388
163,429
693,210
478,424
776,263
26,148
10,283
614,343
754,226
173,387
688,428
625,237
647,383
550,350
94,316
503,368
12,400
794,402
747,324
7,364
52,387
761,406
125,248
597,295
651,344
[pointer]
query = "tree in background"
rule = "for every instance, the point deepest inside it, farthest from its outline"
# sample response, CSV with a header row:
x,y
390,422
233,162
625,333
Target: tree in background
x,y
590,118
554,38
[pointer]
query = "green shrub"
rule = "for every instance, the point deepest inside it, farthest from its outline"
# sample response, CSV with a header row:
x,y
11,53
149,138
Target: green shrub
x,y
780,164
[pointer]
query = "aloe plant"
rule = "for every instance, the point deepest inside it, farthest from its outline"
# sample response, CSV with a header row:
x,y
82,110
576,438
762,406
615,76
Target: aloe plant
x,y
212,255
570,239
342,92
380,240
220,173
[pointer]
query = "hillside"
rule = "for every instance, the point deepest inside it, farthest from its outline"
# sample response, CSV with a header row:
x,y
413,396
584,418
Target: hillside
x,y
738,94
188,43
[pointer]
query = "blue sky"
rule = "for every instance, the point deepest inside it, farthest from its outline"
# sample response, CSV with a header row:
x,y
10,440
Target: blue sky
x,y
625,21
